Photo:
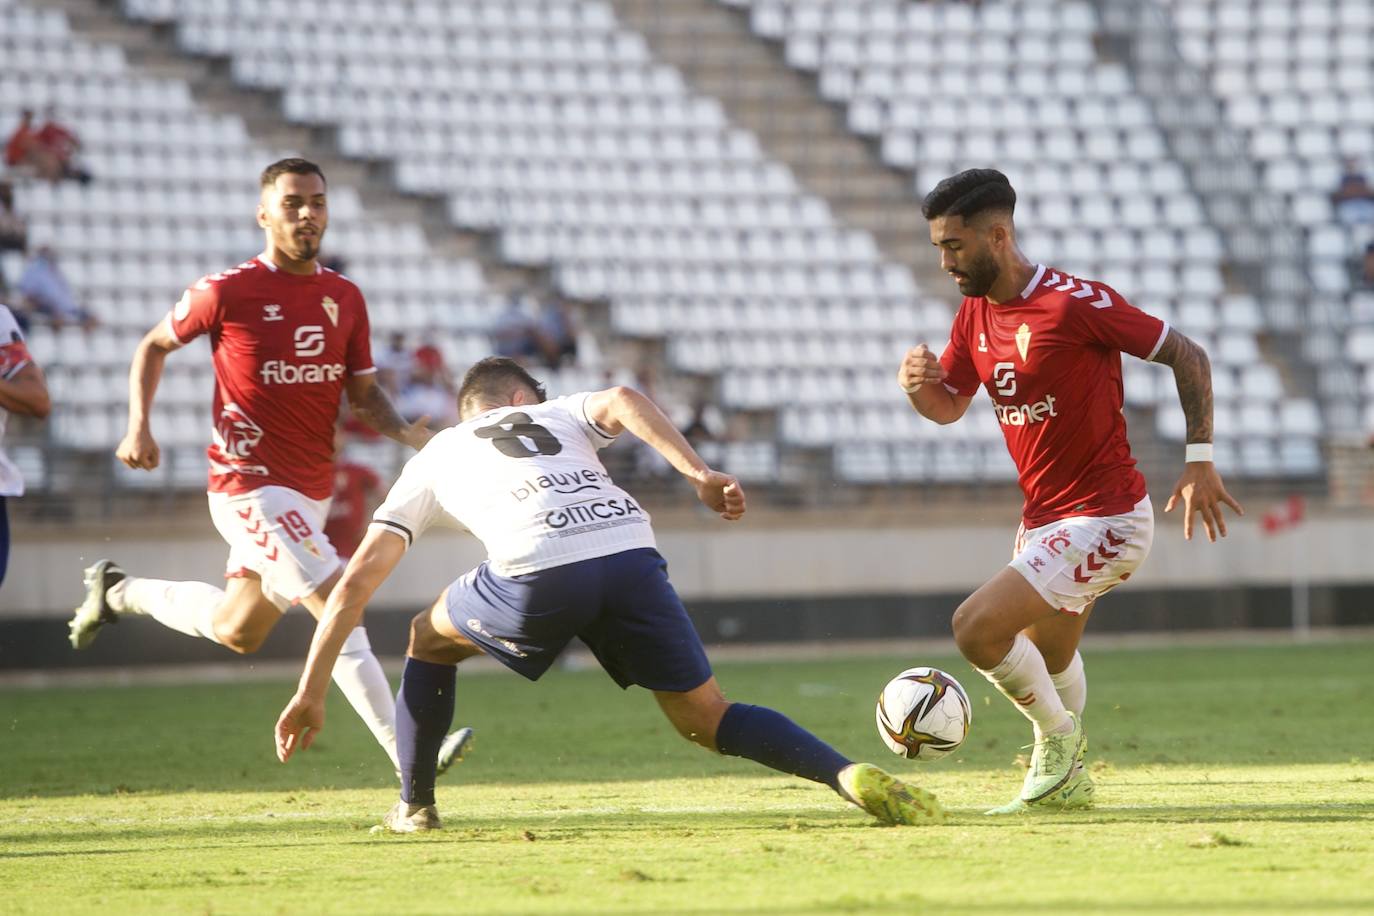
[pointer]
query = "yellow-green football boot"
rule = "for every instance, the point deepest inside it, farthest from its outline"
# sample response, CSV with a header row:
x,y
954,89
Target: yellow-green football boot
x,y
1056,777
888,798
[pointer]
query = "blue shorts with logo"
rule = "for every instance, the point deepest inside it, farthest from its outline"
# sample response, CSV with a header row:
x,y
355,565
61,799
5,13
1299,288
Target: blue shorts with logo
x,y
622,606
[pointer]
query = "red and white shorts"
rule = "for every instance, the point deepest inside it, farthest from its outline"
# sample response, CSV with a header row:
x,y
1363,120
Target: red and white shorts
x,y
279,534
1076,560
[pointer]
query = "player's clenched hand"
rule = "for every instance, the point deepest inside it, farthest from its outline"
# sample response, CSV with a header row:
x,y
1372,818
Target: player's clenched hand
x,y
1202,491
722,493
300,722
919,367
139,450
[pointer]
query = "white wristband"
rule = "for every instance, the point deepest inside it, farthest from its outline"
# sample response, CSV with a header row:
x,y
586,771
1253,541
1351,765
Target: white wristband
x,y
914,388
1197,451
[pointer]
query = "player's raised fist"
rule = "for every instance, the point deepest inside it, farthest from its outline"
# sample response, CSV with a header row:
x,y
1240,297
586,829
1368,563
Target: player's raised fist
x,y
722,493
920,367
138,449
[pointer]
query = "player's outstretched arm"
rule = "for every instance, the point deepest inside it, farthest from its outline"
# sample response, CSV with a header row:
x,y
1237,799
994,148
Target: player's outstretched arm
x,y
26,393
303,717
1200,488
371,404
921,376
138,448
622,408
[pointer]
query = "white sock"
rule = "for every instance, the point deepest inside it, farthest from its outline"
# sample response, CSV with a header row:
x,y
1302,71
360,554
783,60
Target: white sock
x,y
360,677
1072,686
187,607
1023,678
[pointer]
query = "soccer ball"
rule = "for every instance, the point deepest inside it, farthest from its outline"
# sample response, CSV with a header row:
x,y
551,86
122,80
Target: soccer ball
x,y
923,713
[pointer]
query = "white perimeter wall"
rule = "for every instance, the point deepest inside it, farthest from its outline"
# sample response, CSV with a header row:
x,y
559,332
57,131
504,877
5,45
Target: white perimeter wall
x,y
718,560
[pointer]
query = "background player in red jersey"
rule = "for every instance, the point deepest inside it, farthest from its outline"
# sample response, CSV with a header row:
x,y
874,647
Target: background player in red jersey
x,y
357,489
289,338
1047,347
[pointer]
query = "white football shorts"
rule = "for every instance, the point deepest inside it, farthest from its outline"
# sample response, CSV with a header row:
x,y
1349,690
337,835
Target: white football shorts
x,y
279,534
1076,560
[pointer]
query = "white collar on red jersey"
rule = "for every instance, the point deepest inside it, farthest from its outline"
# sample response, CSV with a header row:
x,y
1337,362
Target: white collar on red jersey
x,y
1035,281
267,262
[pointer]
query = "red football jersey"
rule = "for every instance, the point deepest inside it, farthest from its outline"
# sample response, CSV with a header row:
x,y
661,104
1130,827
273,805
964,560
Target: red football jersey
x,y
1050,359
284,345
348,515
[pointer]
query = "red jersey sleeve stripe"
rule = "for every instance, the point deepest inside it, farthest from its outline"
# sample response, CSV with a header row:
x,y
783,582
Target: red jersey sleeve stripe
x,y
172,330
1163,333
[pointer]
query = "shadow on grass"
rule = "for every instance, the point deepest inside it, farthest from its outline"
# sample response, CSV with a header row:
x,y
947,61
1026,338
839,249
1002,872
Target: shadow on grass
x,y
302,829
1206,707
917,904
1192,814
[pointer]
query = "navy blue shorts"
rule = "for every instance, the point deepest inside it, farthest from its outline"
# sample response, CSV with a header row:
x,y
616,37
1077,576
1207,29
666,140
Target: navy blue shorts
x,y
622,606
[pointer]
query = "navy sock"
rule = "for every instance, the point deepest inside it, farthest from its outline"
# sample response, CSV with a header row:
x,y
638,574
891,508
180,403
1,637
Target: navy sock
x,y
424,712
772,739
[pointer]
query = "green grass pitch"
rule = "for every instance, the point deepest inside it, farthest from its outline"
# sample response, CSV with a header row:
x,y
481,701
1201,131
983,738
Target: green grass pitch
x,y
1231,779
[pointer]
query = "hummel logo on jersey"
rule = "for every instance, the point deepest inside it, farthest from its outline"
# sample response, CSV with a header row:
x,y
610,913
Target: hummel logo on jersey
x,y
309,340
271,312
331,308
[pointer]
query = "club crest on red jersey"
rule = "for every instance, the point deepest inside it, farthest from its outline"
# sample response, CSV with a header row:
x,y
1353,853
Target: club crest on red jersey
x,y
1023,337
331,308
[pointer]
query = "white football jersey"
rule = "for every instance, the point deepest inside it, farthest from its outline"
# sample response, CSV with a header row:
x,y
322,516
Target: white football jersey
x,y
527,482
14,355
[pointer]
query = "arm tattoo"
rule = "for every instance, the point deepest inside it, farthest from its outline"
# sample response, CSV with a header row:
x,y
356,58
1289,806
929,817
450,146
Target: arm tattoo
x,y
1193,376
376,410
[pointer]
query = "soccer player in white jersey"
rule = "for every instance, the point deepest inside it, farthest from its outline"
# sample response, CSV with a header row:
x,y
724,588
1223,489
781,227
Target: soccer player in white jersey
x,y
23,390
570,554
289,338
1047,348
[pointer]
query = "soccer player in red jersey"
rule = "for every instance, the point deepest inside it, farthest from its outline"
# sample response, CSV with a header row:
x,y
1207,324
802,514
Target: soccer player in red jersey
x,y
290,338
1047,348
356,488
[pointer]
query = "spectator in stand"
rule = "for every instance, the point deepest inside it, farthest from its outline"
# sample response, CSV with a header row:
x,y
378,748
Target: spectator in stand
x,y
430,391
60,141
699,427
24,151
1353,197
556,334
1367,268
647,461
393,364
515,334
357,491
43,290
14,232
